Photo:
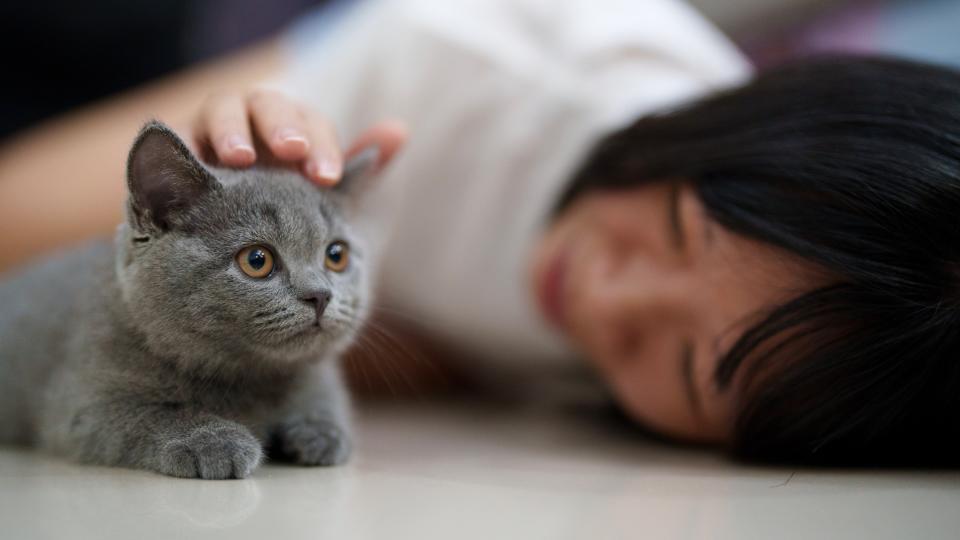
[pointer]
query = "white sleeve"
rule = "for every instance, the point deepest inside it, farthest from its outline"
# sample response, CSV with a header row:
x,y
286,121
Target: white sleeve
x,y
390,58
503,98
355,68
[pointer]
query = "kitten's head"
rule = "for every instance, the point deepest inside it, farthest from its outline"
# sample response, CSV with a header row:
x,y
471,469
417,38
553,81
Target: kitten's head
x,y
233,269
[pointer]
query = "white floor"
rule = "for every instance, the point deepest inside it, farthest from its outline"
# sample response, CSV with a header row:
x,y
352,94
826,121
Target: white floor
x,y
464,471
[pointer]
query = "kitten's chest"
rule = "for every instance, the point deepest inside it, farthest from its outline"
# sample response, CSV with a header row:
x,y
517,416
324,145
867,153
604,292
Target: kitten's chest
x,y
250,402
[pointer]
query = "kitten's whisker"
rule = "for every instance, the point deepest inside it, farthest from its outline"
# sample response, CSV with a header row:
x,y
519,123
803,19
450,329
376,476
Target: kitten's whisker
x,y
268,313
279,326
402,349
383,375
380,363
393,311
353,360
413,354
279,318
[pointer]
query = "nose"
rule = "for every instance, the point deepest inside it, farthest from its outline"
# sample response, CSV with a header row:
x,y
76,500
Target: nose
x,y
319,299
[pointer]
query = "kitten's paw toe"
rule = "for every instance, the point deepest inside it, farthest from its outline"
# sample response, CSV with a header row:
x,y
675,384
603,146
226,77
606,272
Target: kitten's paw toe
x,y
212,453
315,443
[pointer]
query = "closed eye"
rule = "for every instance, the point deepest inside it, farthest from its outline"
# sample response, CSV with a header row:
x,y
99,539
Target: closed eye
x,y
686,367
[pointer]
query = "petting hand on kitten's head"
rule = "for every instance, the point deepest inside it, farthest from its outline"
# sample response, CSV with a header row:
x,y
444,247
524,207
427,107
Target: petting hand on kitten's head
x,y
228,124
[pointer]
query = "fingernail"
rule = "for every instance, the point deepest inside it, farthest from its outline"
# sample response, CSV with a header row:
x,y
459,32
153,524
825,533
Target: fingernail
x,y
236,143
323,168
310,169
329,168
291,135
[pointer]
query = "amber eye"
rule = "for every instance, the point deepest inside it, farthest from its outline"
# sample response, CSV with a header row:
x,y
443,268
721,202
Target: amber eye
x,y
338,256
255,261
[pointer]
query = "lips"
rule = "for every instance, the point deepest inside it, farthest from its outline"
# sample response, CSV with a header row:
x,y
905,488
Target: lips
x,y
551,293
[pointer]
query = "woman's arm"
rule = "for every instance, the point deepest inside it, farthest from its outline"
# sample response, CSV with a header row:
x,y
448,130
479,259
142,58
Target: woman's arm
x,y
63,181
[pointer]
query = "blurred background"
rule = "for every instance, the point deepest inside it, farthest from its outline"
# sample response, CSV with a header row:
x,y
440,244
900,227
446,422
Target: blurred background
x,y
63,54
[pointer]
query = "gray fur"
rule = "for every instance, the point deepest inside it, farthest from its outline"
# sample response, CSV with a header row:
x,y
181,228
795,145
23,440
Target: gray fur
x,y
158,353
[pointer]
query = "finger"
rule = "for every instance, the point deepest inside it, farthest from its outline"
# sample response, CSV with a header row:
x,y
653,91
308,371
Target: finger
x,y
324,164
280,125
224,127
389,136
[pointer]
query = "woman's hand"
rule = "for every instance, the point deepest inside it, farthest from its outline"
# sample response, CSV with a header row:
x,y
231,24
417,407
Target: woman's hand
x,y
228,124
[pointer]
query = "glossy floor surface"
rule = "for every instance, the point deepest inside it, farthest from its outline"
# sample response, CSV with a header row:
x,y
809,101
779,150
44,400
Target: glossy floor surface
x,y
446,470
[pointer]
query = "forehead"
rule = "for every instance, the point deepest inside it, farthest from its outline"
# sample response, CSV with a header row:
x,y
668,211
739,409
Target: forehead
x,y
277,207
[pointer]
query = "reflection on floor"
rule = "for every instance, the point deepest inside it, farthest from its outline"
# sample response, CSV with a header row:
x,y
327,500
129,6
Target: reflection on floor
x,y
457,470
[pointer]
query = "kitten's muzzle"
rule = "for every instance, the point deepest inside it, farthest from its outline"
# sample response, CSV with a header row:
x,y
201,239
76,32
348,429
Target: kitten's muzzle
x,y
319,299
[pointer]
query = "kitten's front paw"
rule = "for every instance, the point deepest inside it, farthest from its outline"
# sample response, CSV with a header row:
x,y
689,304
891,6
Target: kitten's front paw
x,y
314,443
213,452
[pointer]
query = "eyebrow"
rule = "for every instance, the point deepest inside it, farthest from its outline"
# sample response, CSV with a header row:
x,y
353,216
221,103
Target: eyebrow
x,y
686,368
676,226
677,232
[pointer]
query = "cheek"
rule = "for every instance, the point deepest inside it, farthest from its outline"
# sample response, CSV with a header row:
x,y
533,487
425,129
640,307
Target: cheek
x,y
650,391
352,291
661,407
241,299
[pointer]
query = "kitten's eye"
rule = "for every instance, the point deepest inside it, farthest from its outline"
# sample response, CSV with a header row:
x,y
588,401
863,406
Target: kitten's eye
x,y
338,256
255,261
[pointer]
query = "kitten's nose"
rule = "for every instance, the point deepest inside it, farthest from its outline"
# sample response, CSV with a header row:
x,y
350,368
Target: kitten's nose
x,y
319,298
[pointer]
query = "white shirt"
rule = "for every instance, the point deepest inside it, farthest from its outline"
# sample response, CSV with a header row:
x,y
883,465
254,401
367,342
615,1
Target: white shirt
x,y
504,98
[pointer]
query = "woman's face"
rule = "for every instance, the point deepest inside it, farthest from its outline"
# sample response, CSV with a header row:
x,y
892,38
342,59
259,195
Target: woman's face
x,y
653,292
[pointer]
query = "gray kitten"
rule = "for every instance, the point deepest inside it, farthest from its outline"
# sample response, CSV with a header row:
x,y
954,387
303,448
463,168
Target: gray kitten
x,y
210,327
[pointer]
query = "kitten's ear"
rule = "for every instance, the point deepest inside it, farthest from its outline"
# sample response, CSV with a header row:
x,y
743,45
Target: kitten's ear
x,y
164,178
359,173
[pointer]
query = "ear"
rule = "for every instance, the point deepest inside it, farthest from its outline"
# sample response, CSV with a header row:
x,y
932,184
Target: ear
x,y
359,174
164,178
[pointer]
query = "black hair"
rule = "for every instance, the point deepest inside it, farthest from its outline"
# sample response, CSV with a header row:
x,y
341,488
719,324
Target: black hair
x,y
851,163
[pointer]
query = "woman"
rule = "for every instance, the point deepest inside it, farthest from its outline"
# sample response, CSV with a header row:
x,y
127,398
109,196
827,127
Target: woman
x,y
771,270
